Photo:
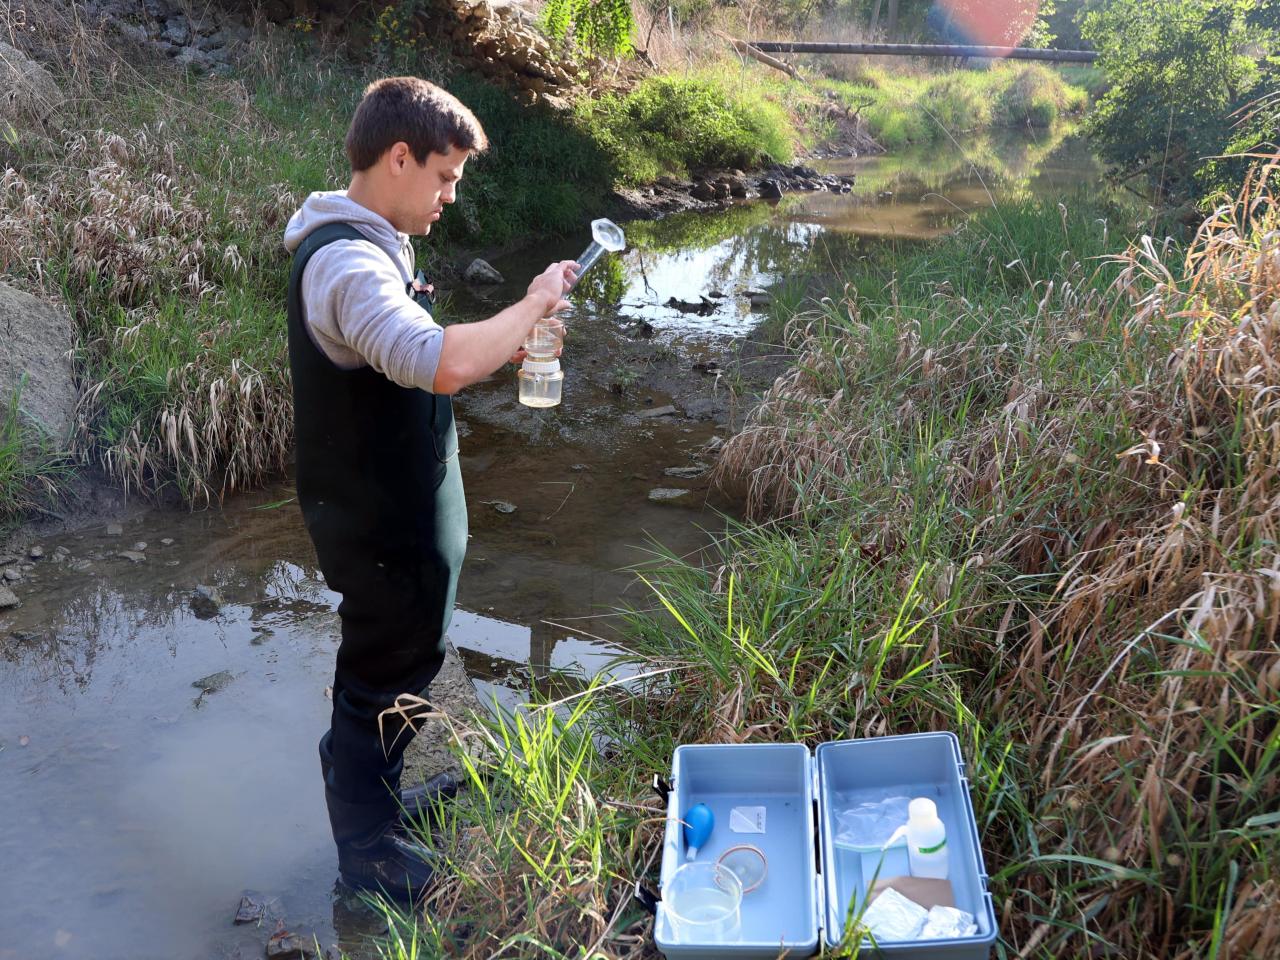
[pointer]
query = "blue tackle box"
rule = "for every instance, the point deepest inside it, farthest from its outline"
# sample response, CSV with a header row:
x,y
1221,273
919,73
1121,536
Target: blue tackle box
x,y
811,881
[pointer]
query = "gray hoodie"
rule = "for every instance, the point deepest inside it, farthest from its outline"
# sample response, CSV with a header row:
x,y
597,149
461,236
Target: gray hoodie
x,y
355,305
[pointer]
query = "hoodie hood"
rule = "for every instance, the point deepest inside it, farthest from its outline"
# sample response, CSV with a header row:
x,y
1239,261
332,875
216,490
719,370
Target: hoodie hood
x,y
334,206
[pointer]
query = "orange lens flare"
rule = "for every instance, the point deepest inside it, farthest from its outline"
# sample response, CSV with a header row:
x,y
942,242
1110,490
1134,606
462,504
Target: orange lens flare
x,y
994,23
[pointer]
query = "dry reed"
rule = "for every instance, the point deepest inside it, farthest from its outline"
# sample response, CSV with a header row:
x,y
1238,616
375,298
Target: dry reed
x,y
1149,676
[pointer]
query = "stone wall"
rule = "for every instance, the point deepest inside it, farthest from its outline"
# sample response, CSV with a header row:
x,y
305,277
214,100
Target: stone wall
x,y
496,38
198,36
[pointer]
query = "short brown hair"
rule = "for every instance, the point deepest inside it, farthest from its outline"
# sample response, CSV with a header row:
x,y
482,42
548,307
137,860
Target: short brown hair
x,y
428,119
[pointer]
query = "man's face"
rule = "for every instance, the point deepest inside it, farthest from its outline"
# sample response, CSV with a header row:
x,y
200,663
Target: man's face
x,y
425,188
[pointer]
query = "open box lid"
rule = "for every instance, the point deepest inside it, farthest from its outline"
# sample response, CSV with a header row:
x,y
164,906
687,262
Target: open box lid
x,y
801,786
914,765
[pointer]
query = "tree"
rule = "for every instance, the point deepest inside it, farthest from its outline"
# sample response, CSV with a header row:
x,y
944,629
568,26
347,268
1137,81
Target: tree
x,y
1179,70
598,26
1064,22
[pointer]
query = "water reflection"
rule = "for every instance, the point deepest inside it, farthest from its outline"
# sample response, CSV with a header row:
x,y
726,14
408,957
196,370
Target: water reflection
x,y
699,275
147,808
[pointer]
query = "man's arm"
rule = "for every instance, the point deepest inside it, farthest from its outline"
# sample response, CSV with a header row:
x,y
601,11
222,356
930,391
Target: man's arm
x,y
472,351
358,313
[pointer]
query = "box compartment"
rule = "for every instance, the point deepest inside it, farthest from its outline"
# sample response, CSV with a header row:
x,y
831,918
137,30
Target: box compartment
x,y
783,912
915,765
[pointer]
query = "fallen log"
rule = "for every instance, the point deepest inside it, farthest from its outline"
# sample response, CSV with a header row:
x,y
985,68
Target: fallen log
x,y
748,50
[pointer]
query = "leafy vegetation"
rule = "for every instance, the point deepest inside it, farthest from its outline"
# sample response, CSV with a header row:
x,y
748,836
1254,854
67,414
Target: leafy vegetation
x,y
901,109
673,124
1181,72
598,26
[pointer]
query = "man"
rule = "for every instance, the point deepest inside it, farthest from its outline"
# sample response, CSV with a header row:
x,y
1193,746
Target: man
x,y
377,470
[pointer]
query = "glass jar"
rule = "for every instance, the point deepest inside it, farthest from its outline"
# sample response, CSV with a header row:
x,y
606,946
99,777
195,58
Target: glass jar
x,y
541,382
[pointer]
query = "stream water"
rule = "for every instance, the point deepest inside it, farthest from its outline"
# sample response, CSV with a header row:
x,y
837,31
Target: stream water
x,y
137,807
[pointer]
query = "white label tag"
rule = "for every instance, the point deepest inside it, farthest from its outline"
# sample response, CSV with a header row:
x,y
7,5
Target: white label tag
x,y
746,819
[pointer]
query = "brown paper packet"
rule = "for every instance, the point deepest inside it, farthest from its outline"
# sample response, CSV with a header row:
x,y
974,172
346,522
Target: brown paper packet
x,y
923,890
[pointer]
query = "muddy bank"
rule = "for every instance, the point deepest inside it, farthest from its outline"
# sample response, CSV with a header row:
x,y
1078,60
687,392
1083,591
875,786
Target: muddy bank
x,y
711,190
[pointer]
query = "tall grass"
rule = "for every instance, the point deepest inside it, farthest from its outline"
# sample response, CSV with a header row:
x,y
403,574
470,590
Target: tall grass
x,y
1088,470
1035,507
535,850
33,469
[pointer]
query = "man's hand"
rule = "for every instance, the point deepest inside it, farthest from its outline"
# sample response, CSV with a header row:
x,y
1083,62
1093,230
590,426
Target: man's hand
x,y
472,351
552,284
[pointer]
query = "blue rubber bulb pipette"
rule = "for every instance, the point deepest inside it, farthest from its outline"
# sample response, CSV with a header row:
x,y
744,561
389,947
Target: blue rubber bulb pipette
x,y
698,821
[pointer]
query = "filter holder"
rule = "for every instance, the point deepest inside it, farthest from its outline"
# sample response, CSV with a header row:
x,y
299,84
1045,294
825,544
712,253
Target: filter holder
x,y
541,366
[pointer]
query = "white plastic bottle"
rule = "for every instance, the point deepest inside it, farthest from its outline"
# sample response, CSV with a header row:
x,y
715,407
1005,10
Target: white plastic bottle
x,y
926,840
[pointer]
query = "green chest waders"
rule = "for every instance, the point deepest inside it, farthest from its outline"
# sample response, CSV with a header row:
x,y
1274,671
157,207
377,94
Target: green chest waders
x,y
381,494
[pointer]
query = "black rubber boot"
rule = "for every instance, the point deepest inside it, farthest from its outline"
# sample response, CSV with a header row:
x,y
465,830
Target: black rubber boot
x,y
417,801
421,801
373,855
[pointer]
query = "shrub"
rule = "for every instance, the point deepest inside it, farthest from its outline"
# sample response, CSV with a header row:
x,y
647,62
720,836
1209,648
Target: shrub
x,y
679,124
1036,96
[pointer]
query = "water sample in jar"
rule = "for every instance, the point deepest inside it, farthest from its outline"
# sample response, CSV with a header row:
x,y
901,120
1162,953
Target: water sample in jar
x,y
541,382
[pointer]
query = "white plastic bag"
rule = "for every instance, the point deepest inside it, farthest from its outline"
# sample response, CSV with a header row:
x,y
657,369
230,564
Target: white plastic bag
x,y
892,916
865,827
945,923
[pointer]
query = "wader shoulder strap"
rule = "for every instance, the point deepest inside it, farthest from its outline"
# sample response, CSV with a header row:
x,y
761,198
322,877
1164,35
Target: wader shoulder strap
x,y
320,237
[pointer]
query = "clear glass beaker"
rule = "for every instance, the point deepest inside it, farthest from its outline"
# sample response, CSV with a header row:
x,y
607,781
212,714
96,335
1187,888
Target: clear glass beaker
x,y
545,339
703,903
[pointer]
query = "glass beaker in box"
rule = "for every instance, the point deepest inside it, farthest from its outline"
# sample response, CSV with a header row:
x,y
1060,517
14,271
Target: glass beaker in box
x,y
703,902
